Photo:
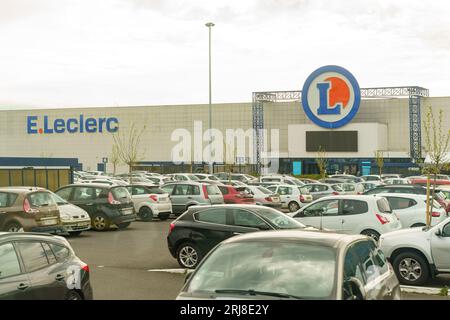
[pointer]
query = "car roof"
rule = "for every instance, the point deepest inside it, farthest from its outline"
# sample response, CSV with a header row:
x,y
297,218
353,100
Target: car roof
x,y
102,185
328,239
30,235
353,197
240,206
21,189
402,195
196,183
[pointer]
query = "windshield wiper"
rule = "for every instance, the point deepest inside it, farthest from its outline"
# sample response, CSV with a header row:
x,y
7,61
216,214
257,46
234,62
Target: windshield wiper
x,y
259,293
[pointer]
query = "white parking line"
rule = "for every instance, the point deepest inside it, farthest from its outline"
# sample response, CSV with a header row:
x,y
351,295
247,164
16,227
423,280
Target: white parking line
x,y
182,271
421,290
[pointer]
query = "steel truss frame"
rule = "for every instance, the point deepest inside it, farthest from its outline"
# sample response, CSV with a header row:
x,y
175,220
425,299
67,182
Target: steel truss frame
x,y
414,93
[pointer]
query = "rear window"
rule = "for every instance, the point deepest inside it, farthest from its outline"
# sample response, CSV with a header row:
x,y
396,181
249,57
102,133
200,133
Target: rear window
x,y
336,188
213,190
156,190
223,189
350,207
398,203
120,193
383,206
39,199
264,190
303,190
7,199
216,215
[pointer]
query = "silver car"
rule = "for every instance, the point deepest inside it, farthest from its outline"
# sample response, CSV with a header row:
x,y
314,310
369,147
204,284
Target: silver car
x,y
293,264
319,190
190,193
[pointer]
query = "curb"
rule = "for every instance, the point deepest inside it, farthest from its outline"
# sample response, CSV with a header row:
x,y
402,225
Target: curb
x,y
420,290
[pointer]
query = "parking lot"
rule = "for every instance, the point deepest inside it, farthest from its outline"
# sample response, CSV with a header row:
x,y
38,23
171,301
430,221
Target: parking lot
x,y
135,264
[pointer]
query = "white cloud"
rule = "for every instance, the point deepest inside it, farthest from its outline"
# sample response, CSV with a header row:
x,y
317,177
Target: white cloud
x,y
145,52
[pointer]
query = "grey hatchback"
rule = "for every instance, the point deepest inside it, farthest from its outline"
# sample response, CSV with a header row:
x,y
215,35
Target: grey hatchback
x,y
294,264
189,193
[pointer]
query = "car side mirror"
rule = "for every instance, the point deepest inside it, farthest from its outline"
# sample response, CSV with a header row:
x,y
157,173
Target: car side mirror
x,y
355,289
439,233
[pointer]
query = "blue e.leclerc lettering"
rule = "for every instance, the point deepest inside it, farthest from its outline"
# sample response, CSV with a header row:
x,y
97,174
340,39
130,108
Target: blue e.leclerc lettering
x,y
71,125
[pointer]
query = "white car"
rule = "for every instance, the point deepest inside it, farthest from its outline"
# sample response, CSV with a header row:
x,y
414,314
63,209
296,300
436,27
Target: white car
x,y
74,219
397,181
411,209
159,180
292,197
150,202
276,179
264,196
371,177
419,253
352,188
368,215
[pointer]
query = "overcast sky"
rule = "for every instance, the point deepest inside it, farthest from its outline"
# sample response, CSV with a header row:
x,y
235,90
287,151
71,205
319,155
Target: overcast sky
x,y
56,53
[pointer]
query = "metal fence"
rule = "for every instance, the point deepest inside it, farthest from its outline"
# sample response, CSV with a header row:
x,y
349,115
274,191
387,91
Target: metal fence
x,y
49,178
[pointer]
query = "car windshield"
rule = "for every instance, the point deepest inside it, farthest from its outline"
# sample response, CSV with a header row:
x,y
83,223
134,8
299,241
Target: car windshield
x,y
293,268
120,193
59,201
304,190
279,219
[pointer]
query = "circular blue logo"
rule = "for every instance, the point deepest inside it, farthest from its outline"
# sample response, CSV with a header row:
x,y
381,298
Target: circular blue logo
x,y
331,97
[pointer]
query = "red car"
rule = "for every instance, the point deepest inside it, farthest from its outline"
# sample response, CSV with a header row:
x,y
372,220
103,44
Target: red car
x,y
232,196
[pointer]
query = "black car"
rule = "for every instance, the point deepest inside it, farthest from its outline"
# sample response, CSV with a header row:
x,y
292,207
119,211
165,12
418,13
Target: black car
x,y
41,266
201,228
106,205
401,188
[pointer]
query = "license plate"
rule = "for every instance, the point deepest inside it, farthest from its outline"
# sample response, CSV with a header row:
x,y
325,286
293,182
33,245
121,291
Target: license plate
x,y
49,222
128,211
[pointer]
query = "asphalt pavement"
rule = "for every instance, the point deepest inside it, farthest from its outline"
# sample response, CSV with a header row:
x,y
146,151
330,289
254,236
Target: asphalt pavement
x,y
135,264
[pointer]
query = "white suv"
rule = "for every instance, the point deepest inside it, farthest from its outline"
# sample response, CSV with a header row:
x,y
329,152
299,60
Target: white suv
x,y
292,197
359,214
411,209
419,253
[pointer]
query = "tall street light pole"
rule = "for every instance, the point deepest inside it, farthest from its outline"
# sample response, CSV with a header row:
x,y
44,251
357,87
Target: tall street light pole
x,y
210,25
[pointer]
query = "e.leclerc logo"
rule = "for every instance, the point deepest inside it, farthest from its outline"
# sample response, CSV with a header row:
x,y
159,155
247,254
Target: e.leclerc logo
x,y
71,125
331,97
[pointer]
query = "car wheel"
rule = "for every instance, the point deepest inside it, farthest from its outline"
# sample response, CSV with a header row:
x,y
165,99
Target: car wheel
x,y
14,227
100,222
164,217
411,268
188,255
293,206
146,214
371,233
75,233
123,225
73,295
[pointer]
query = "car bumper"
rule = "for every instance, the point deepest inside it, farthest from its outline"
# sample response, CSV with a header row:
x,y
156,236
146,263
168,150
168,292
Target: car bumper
x,y
81,225
123,219
56,229
162,209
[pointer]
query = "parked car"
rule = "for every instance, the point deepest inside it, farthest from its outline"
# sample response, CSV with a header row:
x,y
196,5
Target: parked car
x,y
418,254
397,181
276,179
348,177
372,177
184,177
352,188
391,176
293,264
413,189
423,182
150,202
307,181
73,219
371,185
292,197
28,209
232,196
200,228
333,180
159,180
367,215
245,178
40,266
411,209
106,205
438,176
233,183
264,196
189,193
208,177
319,190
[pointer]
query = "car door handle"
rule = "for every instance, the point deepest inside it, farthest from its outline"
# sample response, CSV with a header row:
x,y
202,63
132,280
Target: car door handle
x,y
59,277
22,286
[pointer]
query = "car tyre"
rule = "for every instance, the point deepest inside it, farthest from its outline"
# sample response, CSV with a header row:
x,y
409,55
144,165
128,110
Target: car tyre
x,y
73,295
100,222
146,214
164,217
123,225
293,206
411,269
14,227
371,233
188,255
